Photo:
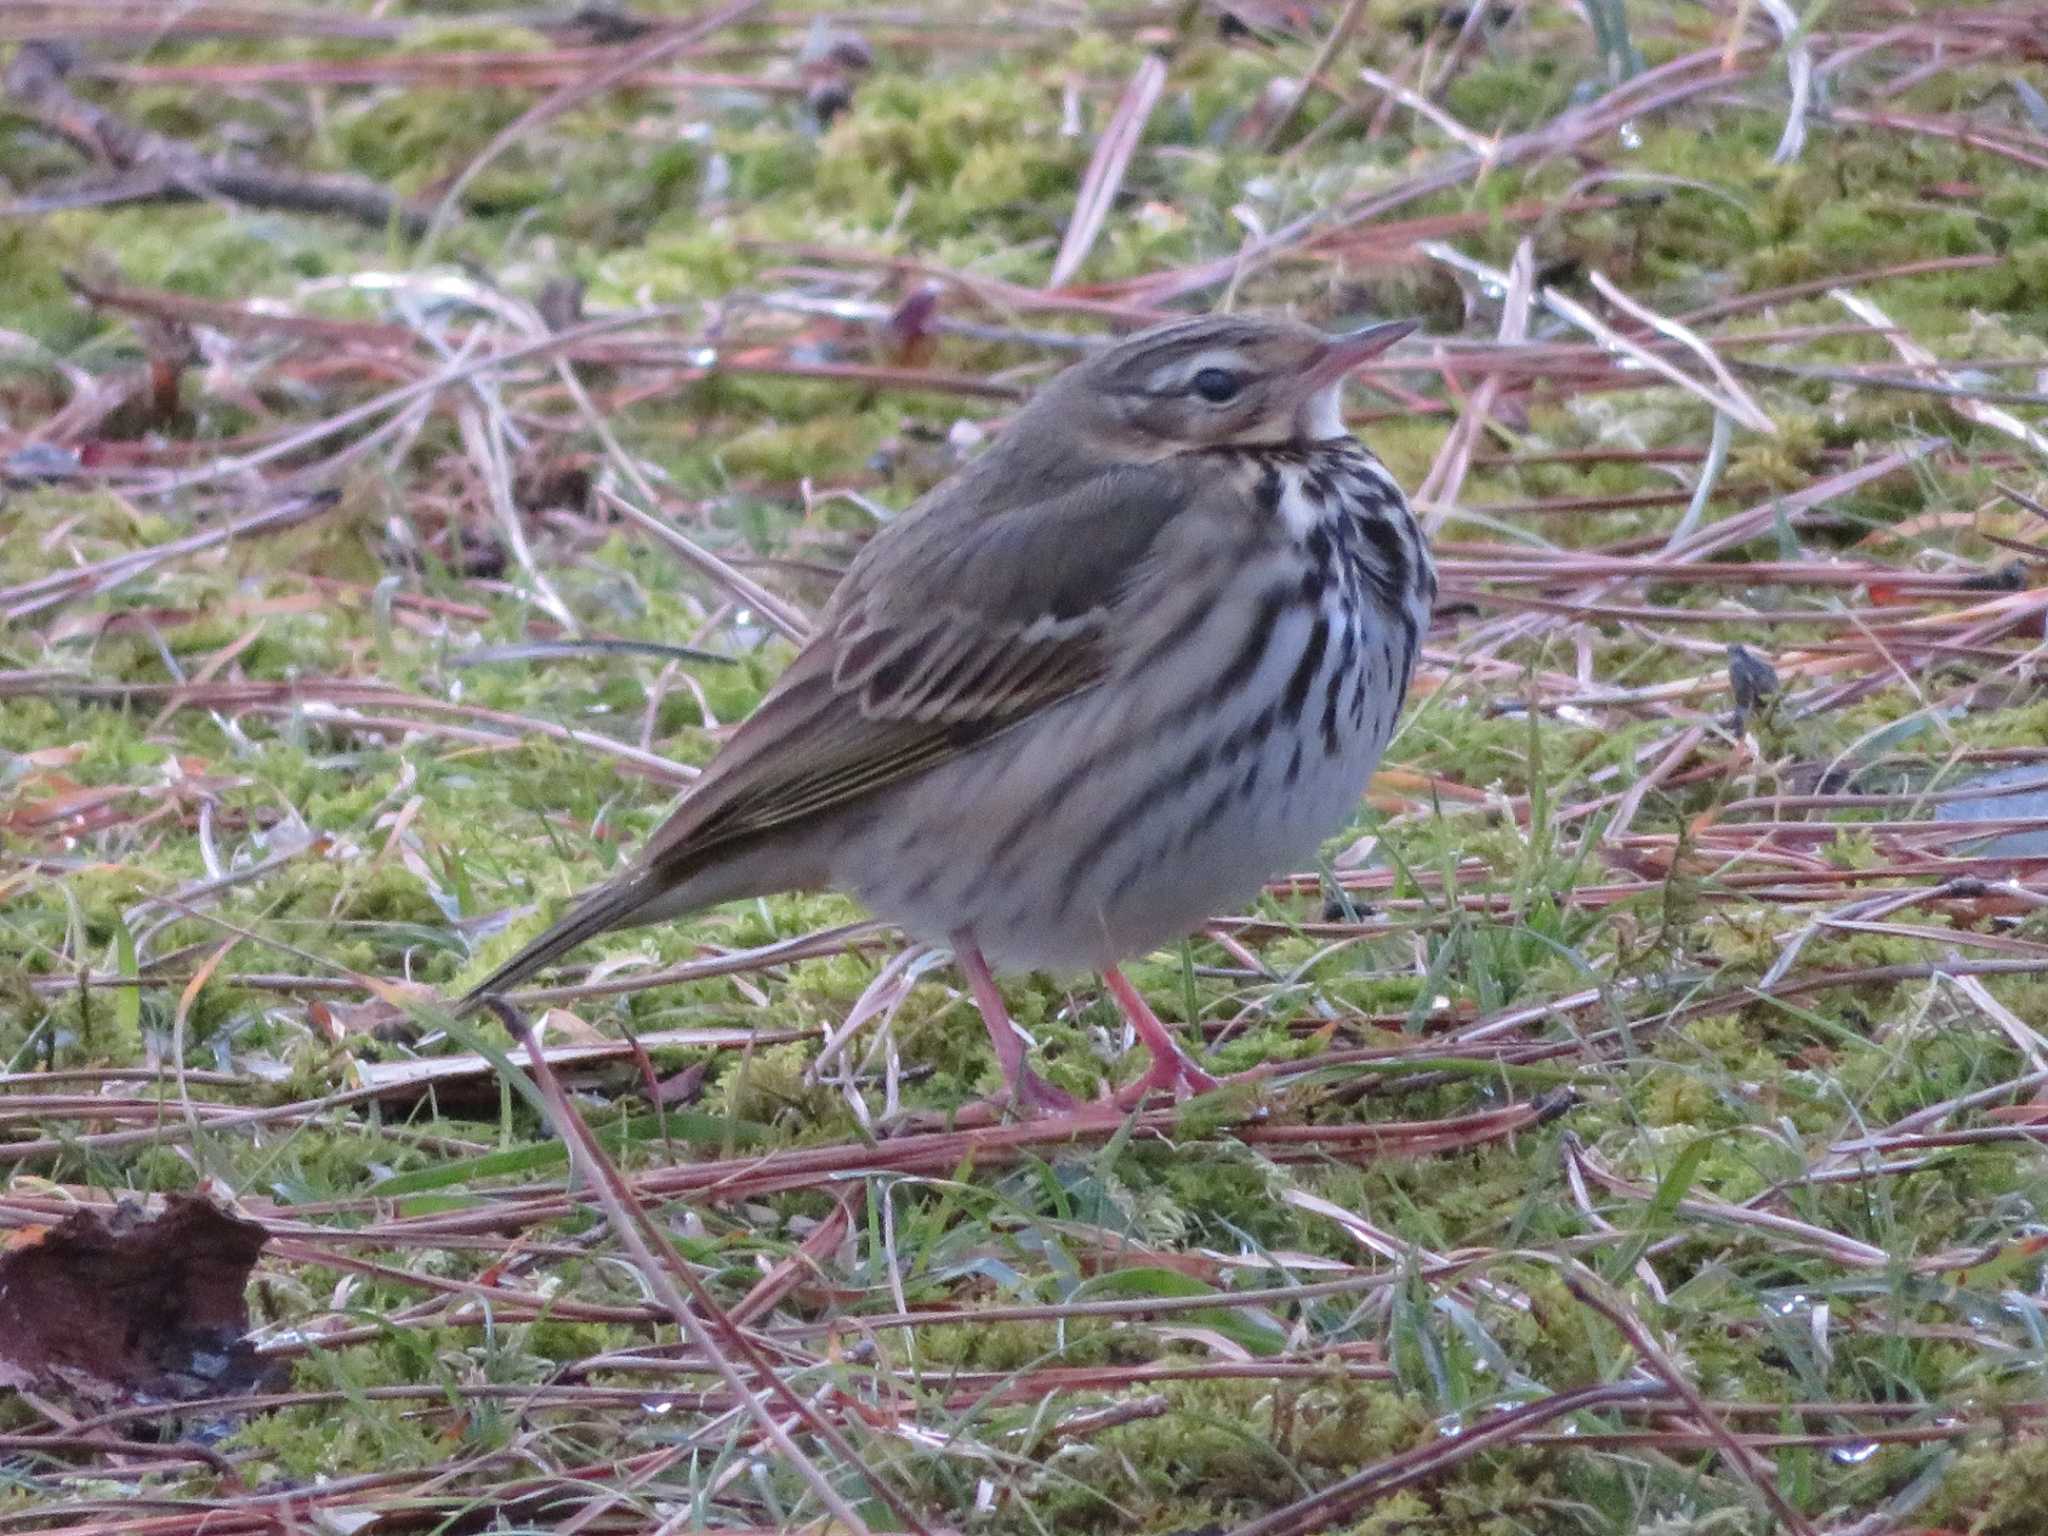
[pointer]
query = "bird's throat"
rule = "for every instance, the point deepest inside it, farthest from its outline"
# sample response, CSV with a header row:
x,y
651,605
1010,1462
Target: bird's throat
x,y
1321,417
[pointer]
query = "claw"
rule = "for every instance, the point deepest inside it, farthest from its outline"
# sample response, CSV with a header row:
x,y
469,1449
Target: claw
x,y
1033,1096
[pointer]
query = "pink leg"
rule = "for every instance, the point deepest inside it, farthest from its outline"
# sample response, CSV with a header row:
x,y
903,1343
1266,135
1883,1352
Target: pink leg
x,y
1031,1094
1170,1064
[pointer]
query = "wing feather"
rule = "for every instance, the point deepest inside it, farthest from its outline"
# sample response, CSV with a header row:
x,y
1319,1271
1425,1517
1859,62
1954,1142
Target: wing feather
x,y
984,605
940,637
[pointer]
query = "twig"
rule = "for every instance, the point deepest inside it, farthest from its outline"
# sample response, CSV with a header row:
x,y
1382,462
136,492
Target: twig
x,y
1106,167
1479,146
1750,413
148,165
639,1237
1340,34
1970,403
1438,493
1340,1501
34,596
1592,1292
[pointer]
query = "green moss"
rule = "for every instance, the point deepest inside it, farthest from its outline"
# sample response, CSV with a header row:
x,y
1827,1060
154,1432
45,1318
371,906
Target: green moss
x,y
1995,1490
459,35
791,453
37,302
986,157
411,141
441,854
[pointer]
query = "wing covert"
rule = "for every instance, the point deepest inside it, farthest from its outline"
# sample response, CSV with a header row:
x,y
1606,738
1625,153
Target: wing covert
x,y
955,624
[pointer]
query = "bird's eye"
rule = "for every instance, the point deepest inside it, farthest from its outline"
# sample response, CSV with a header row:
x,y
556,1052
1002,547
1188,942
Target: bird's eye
x,y
1217,385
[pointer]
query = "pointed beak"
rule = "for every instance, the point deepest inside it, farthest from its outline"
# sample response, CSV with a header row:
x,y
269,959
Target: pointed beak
x,y
1341,354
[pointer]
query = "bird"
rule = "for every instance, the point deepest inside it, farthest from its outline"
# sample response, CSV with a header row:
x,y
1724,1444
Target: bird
x,y
1139,655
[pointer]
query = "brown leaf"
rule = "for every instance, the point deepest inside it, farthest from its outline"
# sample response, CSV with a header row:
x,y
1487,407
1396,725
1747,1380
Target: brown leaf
x,y
558,1026
129,1307
680,1088
53,757
373,1020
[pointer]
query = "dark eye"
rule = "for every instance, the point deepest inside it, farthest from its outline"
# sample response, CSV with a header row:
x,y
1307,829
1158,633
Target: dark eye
x,y
1216,385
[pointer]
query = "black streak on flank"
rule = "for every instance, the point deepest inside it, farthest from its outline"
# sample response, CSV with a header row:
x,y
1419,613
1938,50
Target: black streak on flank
x,y
1247,737
1391,572
1272,603
1211,814
1334,693
1305,670
1164,787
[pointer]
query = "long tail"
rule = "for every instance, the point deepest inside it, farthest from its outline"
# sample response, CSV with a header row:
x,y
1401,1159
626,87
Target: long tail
x,y
618,904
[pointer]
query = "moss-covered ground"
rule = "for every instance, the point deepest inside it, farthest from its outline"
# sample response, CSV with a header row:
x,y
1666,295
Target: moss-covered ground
x,y
1703,1034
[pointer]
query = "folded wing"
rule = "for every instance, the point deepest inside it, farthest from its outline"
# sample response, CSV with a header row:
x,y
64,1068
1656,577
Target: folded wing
x,y
955,624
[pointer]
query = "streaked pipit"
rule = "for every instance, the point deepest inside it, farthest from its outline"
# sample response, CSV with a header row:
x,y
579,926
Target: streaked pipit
x,y
1137,657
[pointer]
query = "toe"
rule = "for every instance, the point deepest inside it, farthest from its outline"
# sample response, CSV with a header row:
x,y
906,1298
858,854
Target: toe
x,y
1035,1096
1160,1075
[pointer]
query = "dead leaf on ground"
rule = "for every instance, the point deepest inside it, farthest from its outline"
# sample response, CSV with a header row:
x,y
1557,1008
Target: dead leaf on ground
x,y
130,1307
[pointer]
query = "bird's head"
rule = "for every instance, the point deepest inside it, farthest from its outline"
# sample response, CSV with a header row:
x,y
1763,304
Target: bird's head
x,y
1218,381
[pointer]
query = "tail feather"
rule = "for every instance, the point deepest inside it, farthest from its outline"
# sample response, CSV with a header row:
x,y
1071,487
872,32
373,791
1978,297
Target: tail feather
x,y
617,905
658,891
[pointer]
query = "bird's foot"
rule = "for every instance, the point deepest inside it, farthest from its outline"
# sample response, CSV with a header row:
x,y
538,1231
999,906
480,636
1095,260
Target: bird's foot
x,y
1166,1072
1031,1096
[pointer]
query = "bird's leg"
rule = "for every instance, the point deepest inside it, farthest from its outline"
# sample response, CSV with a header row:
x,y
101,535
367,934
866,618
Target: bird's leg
x,y
1170,1064
1030,1093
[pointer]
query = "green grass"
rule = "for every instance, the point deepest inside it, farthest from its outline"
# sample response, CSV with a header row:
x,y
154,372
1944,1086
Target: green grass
x,y
972,1314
